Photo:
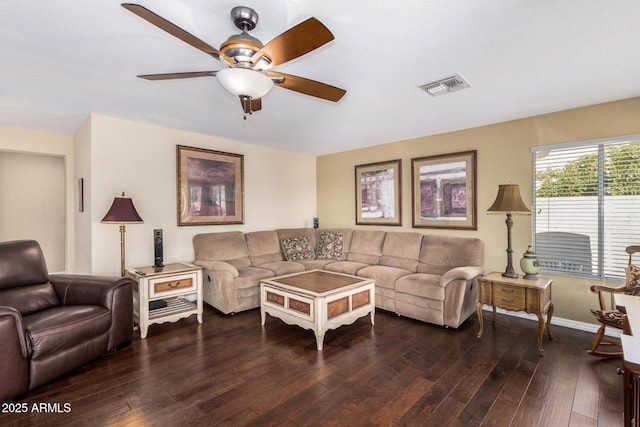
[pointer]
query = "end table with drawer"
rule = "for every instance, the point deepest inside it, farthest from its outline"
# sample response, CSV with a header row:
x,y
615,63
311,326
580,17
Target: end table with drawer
x,y
517,294
170,285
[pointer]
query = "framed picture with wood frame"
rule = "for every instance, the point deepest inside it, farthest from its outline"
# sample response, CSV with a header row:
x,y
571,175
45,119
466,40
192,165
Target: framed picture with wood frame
x,y
378,193
444,191
210,186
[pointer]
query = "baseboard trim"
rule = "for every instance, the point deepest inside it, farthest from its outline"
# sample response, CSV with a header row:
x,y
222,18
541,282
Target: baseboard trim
x,y
567,323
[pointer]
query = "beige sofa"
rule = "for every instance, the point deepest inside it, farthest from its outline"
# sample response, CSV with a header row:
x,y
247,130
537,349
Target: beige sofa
x,y
425,277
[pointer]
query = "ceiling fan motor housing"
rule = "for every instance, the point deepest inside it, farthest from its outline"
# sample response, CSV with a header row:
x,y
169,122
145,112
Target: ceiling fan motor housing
x,y
238,49
244,18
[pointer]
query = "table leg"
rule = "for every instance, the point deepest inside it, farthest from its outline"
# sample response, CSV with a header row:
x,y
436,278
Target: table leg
x,y
494,316
479,311
373,313
541,323
263,316
549,314
319,341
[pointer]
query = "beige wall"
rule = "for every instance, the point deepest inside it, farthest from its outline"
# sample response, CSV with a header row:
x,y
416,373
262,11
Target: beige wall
x,y
504,156
140,159
61,146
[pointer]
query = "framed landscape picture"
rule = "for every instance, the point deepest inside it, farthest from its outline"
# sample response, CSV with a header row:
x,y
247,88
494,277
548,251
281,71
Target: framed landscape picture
x,y
210,186
378,193
444,191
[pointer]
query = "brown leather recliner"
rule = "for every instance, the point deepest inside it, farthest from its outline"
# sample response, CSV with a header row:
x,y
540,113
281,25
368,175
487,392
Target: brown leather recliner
x,y
51,324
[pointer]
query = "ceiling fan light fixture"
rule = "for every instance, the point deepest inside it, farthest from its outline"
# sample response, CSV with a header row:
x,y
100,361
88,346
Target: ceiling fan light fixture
x,y
244,82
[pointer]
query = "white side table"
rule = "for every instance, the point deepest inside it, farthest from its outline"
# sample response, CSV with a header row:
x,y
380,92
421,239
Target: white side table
x,y
171,284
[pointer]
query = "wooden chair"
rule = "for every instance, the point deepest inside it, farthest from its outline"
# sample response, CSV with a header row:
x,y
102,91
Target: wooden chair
x,y
610,315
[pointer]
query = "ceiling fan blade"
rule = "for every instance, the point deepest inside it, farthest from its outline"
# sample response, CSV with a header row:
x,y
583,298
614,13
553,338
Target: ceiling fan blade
x,y
307,86
170,76
250,105
171,28
295,42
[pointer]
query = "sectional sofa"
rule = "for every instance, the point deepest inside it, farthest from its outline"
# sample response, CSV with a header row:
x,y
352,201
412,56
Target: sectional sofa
x,y
426,277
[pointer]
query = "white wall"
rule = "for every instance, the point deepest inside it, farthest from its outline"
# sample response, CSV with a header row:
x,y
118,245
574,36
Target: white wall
x,y
140,159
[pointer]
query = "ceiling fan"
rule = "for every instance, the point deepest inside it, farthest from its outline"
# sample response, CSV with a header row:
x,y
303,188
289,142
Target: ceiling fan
x,y
249,75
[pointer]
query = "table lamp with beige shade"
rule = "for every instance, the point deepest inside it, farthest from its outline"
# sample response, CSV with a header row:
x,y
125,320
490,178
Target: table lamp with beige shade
x,y
510,202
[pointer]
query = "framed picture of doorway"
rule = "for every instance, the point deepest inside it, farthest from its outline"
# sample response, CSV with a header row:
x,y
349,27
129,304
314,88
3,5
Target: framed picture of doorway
x,y
378,193
444,191
210,187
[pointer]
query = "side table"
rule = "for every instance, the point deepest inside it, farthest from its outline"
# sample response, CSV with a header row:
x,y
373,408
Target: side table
x,y
169,284
517,294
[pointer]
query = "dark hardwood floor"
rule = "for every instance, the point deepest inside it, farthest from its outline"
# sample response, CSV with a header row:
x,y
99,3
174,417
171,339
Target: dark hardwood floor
x,y
231,371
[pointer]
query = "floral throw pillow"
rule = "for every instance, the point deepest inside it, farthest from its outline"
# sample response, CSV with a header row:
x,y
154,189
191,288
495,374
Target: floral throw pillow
x,y
299,247
330,245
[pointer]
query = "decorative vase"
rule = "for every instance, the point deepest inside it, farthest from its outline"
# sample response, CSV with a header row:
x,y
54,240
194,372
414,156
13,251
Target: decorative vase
x,y
529,264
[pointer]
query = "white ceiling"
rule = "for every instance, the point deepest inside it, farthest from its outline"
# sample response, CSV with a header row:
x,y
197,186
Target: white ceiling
x,y
62,60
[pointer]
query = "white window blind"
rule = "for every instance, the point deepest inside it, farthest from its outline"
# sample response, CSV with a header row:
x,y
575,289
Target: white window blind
x,y
587,207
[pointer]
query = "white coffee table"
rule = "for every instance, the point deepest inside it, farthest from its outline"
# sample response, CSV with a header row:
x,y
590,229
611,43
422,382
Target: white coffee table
x,y
317,300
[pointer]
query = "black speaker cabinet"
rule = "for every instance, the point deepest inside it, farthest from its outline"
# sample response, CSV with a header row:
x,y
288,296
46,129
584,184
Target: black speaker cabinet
x,y
157,248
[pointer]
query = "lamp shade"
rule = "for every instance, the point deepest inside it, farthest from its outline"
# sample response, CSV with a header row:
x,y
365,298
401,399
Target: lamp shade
x,y
122,211
509,200
244,82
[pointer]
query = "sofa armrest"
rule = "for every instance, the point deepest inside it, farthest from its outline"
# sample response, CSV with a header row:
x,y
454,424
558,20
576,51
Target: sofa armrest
x,y
114,293
216,266
464,273
14,371
11,325
74,289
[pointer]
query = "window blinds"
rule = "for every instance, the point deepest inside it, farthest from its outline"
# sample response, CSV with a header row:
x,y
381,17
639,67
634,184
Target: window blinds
x,y
587,207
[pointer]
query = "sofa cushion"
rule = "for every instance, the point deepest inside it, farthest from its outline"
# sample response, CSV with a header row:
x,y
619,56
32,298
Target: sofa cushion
x,y
345,267
422,285
248,277
383,275
55,329
281,268
330,245
401,250
22,263
296,248
30,299
263,247
366,246
440,254
229,246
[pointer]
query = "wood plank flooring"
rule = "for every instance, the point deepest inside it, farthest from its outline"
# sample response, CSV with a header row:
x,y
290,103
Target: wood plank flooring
x,y
231,371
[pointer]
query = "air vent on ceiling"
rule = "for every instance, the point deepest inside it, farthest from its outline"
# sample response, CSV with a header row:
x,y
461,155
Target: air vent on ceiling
x,y
446,85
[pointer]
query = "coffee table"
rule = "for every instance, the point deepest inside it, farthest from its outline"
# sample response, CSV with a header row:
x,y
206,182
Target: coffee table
x,y
317,300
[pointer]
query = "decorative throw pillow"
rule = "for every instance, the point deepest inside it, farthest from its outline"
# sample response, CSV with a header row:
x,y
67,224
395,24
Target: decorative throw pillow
x,y
633,280
330,245
299,247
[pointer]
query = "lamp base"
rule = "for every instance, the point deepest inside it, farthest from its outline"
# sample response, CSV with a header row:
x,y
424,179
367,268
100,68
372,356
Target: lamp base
x,y
511,274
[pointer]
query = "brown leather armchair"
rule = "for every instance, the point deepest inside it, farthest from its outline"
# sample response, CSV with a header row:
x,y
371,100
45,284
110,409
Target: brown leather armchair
x,y
51,324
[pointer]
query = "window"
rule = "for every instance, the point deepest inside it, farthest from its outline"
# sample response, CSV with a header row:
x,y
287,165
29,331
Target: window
x,y
587,206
